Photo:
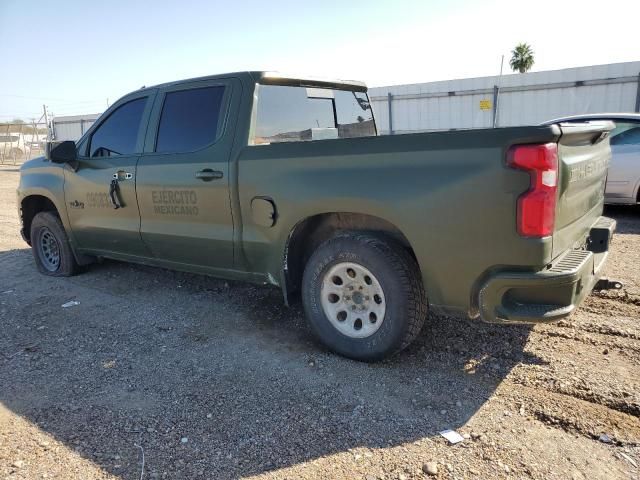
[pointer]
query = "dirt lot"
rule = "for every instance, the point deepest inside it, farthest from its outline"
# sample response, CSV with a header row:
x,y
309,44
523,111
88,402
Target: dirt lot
x,y
214,379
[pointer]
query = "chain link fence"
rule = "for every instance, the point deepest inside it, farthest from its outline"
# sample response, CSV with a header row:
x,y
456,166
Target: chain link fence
x,y
22,141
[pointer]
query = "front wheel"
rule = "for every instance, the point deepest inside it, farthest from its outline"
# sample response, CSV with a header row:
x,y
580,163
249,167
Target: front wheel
x,y
363,296
50,245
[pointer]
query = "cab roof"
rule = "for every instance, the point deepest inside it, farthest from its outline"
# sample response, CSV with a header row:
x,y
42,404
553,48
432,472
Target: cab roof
x,y
277,78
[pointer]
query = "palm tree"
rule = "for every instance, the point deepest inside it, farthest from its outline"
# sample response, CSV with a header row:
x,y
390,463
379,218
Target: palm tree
x,y
521,58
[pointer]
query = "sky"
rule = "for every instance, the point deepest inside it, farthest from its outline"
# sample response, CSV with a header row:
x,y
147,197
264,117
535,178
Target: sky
x,y
76,56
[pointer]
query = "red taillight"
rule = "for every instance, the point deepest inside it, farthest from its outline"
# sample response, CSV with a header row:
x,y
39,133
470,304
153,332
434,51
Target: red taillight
x,y
537,206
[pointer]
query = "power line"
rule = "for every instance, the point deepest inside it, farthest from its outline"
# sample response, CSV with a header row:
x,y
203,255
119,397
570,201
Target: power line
x,y
78,105
57,113
20,115
38,98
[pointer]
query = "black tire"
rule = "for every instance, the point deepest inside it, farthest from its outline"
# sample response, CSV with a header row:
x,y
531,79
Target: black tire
x,y
47,229
398,275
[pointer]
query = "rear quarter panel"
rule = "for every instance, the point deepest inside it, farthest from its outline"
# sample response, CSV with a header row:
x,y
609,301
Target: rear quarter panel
x,y
449,193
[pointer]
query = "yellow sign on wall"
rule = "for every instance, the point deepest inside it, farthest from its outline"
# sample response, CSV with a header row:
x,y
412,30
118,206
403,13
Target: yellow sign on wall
x,y
485,104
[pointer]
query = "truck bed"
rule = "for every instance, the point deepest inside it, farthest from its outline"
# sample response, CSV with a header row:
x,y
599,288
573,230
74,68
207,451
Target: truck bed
x,y
450,193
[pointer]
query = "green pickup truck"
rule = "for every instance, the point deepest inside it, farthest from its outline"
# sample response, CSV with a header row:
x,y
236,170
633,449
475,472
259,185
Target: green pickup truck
x,y
283,180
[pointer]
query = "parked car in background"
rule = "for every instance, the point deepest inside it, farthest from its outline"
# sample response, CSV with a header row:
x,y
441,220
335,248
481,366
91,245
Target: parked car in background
x,y
35,142
11,145
623,181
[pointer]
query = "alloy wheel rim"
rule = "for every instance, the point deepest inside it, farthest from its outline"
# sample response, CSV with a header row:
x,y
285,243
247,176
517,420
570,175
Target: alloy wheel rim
x,y
353,300
50,250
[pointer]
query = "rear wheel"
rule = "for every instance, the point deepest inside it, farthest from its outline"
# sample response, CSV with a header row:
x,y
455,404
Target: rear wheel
x,y
50,246
363,296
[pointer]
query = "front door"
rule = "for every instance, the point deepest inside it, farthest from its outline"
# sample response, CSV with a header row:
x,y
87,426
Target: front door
x,y
100,191
183,176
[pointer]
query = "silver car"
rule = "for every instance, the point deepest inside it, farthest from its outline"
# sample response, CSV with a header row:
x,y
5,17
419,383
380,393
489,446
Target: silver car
x,y
623,180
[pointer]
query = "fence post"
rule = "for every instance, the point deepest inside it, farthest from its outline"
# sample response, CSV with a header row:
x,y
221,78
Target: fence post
x,y
638,95
389,100
496,94
35,139
4,149
18,149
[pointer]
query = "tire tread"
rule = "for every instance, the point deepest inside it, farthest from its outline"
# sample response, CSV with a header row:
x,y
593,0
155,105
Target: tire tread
x,y
408,277
68,264
409,273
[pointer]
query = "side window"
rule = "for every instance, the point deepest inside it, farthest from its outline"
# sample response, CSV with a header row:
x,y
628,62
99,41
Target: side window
x,y
295,114
287,114
189,119
355,117
118,134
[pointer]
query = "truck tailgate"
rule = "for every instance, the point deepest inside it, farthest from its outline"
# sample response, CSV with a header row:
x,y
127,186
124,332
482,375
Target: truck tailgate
x,y
583,158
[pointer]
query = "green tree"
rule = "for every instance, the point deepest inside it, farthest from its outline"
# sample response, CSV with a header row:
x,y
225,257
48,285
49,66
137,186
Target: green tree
x,y
521,58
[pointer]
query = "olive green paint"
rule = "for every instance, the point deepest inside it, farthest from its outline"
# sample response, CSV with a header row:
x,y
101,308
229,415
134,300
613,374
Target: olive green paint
x,y
450,194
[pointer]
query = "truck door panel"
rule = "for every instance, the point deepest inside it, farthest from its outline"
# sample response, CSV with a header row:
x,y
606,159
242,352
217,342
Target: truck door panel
x,y
183,177
110,153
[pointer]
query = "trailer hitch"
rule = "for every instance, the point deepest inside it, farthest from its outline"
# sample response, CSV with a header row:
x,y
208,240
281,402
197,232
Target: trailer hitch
x,y
607,284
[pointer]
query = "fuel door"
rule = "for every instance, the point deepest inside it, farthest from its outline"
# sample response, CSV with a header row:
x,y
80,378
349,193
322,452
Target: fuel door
x,y
263,211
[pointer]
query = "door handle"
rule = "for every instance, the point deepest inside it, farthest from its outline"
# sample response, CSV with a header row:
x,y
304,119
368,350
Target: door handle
x,y
122,175
207,174
114,197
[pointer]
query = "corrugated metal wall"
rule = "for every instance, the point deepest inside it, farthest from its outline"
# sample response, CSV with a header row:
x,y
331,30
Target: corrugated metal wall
x,y
72,127
523,99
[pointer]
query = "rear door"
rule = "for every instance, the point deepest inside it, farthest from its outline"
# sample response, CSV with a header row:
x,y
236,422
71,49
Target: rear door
x,y
584,154
183,176
110,150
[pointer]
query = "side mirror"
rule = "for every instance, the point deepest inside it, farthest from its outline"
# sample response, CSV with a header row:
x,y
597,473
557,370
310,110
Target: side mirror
x,y
61,152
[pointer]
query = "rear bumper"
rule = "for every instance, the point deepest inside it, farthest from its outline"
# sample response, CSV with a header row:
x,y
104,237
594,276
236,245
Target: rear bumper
x,y
511,296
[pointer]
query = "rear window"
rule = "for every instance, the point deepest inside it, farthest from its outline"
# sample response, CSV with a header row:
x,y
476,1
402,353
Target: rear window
x,y
189,119
296,114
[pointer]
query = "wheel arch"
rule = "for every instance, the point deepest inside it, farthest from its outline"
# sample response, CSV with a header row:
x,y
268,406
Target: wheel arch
x,y
30,206
306,235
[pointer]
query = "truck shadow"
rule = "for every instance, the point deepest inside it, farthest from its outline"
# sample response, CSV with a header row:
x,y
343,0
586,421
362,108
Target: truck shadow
x,y
219,379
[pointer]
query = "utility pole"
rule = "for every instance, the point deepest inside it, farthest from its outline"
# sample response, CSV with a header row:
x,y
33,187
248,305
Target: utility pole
x,y
46,122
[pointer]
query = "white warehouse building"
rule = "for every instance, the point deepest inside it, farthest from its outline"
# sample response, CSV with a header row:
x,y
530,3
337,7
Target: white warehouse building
x,y
72,127
482,102
510,100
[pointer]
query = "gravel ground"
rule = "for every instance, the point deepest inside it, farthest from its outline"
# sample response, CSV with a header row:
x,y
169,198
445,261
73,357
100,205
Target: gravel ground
x,y
215,379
